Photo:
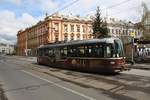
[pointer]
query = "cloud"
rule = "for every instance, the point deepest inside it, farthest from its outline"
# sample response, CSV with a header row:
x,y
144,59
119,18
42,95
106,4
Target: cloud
x,y
48,4
17,2
10,24
44,5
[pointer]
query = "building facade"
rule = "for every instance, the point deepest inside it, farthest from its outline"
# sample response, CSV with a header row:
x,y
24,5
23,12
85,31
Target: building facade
x,y
58,27
6,49
53,29
122,28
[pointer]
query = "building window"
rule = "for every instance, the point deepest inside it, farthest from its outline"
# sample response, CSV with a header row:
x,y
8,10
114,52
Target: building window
x,y
65,37
72,28
56,26
123,32
139,33
56,37
119,32
84,36
78,28
65,28
127,32
108,30
72,36
116,31
90,29
90,36
112,30
83,27
130,31
136,34
78,36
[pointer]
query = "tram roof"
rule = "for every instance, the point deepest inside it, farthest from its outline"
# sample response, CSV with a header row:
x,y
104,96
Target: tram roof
x,y
79,42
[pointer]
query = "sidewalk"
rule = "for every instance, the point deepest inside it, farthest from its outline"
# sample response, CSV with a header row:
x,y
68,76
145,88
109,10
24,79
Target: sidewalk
x,y
140,63
145,66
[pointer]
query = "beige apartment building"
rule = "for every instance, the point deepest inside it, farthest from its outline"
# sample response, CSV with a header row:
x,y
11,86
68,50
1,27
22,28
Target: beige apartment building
x,y
52,29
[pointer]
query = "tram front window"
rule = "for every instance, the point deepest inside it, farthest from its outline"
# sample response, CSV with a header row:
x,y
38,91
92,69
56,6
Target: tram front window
x,y
108,51
118,48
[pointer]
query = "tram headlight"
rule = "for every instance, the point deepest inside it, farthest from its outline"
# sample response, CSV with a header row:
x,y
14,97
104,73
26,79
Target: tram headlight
x,y
112,62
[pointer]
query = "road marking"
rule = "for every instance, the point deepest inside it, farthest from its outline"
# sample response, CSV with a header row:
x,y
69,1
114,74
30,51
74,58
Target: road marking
x,y
58,85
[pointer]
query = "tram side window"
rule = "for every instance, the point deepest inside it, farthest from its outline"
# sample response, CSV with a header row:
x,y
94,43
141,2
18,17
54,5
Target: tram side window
x,y
107,51
94,50
64,52
86,52
50,52
43,52
40,52
80,51
90,51
46,52
100,51
72,51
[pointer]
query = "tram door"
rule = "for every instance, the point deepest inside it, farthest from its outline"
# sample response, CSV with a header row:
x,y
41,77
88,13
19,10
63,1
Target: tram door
x,y
57,54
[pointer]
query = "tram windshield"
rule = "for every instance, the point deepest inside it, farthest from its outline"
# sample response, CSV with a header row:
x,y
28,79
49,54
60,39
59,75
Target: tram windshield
x,y
118,48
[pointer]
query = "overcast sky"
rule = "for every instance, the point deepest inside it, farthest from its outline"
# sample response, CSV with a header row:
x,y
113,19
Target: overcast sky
x,y
19,14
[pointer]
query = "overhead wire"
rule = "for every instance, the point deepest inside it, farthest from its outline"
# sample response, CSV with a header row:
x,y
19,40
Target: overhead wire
x,y
132,8
114,5
66,6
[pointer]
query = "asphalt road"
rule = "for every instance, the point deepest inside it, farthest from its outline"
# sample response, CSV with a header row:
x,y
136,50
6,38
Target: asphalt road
x,y
22,79
20,83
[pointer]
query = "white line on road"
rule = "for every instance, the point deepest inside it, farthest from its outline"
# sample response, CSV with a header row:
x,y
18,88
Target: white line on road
x,y
58,85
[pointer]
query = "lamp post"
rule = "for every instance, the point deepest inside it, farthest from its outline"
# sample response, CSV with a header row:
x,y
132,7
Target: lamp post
x,y
132,38
132,50
26,48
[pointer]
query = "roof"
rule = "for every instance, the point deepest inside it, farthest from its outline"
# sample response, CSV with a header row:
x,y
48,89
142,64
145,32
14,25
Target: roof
x,y
79,42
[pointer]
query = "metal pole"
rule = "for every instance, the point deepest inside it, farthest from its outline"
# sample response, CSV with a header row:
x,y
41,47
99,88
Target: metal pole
x,y
38,44
26,45
132,50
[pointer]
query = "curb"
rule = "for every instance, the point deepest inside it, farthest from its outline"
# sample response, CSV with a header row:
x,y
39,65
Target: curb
x,y
145,68
139,66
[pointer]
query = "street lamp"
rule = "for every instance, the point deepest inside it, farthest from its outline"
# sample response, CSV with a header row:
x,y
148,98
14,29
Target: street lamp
x,y
132,38
26,49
